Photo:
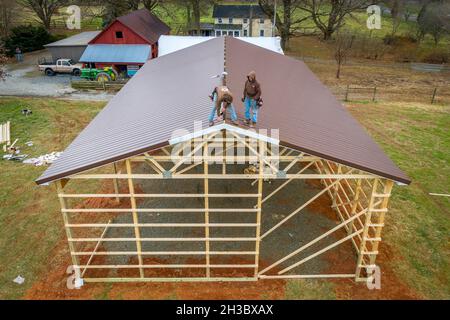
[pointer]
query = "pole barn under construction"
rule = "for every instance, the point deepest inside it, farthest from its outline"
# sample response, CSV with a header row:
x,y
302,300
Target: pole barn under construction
x,y
149,191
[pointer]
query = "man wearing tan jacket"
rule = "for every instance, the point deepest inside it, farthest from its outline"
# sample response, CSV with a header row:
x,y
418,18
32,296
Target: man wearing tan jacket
x,y
223,100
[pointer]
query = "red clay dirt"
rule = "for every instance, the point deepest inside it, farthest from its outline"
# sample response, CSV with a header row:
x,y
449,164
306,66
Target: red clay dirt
x,y
391,286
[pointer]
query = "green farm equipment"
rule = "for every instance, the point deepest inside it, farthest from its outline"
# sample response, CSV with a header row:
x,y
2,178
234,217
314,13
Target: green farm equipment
x,y
101,75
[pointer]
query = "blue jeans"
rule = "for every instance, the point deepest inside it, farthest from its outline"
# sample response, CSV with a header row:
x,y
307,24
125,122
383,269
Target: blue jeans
x,y
214,111
250,104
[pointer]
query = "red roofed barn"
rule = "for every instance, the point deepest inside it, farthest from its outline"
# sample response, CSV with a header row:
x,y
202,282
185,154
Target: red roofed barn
x,y
130,40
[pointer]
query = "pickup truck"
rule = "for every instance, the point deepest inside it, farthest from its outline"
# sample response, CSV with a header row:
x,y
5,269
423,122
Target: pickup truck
x,y
60,66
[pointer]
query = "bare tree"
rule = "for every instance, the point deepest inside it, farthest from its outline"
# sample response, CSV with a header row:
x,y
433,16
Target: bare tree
x,y
342,49
435,20
396,7
195,6
113,9
289,23
8,15
133,4
407,13
45,9
150,5
3,62
194,11
329,15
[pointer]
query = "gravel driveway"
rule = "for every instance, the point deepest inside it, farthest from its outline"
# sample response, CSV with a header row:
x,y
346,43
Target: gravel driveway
x,y
25,80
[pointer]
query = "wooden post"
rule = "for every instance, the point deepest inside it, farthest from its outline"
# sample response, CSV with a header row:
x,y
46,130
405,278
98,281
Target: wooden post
x,y
374,93
355,203
347,92
63,204
380,221
365,235
5,133
224,150
135,218
336,187
116,183
206,183
259,205
434,95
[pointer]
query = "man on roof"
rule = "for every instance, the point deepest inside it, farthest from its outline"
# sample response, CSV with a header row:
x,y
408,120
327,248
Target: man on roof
x,y
252,99
223,100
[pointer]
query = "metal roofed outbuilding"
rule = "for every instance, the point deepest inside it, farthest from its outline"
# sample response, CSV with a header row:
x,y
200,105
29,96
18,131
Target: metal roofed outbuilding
x,y
164,109
307,114
169,44
71,47
116,53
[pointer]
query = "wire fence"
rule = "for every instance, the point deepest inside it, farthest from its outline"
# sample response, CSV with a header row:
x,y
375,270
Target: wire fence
x,y
433,95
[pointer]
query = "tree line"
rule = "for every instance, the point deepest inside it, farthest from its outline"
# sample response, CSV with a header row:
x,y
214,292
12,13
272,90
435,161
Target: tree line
x,y
328,16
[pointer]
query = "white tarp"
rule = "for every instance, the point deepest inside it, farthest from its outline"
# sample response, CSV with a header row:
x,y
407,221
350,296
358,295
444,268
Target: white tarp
x,y
169,44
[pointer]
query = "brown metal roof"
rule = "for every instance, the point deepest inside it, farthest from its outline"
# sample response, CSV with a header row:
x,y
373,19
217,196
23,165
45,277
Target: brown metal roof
x,y
146,24
308,116
171,92
168,93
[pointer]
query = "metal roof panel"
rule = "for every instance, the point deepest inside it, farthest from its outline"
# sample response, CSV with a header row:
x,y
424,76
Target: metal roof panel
x,y
115,53
168,94
304,110
171,93
81,39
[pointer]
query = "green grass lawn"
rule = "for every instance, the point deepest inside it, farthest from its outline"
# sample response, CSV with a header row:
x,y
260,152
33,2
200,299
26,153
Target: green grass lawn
x,y
30,223
417,138
414,135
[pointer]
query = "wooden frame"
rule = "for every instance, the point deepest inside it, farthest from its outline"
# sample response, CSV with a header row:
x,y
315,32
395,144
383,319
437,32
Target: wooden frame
x,y
360,200
5,133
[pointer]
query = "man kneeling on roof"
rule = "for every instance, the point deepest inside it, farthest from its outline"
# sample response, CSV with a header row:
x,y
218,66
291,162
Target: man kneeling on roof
x,y
223,100
252,99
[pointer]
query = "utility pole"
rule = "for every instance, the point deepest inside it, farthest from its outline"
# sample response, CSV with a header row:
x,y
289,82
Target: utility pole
x,y
274,18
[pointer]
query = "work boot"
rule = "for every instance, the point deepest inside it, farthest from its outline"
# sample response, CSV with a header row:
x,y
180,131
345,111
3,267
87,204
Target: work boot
x,y
234,122
253,124
211,123
247,122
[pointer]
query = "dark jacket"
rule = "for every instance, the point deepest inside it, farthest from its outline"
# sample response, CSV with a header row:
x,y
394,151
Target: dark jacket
x,y
252,89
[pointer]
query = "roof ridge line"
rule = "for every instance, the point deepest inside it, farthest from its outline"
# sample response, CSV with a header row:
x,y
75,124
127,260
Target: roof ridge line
x,y
225,55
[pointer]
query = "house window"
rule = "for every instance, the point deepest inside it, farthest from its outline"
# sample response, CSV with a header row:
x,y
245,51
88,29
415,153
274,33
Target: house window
x,y
261,21
219,20
261,33
230,33
230,20
245,33
237,33
245,20
218,33
119,34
